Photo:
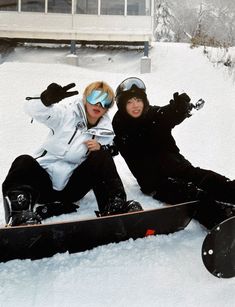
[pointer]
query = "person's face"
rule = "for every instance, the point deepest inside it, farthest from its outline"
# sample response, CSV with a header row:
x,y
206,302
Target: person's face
x,y
134,107
94,112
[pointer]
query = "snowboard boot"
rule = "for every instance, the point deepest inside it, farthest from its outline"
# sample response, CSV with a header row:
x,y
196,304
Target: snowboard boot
x,y
54,209
119,206
18,205
212,212
175,191
228,209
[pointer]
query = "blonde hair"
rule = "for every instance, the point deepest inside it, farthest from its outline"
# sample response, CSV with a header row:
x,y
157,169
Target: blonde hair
x,y
99,85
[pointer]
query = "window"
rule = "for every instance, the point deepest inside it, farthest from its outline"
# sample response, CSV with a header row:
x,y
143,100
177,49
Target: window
x,y
138,7
33,5
60,6
104,7
87,7
8,5
114,7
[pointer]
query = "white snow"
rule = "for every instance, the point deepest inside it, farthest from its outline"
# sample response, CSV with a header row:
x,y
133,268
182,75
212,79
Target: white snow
x,y
157,271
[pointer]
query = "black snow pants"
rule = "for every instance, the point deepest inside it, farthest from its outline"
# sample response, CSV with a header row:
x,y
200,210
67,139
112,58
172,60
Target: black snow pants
x,y
215,192
98,172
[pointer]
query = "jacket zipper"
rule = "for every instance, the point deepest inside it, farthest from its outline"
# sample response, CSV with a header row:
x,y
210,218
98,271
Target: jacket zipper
x,y
42,155
72,137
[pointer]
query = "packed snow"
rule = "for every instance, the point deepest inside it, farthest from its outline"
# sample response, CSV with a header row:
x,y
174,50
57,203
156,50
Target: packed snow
x,y
161,271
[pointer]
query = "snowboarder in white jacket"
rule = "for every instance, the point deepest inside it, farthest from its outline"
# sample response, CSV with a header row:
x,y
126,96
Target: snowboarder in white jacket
x,y
75,158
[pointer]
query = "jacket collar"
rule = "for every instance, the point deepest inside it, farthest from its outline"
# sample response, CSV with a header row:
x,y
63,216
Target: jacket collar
x,y
104,126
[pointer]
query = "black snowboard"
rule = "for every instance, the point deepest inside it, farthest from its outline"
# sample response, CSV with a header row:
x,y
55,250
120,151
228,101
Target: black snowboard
x,y
45,240
218,249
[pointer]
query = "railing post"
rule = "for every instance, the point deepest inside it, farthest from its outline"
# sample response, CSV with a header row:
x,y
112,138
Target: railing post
x,y
146,48
145,63
73,47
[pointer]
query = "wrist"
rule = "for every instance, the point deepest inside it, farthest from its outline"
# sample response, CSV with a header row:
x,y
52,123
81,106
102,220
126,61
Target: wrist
x,y
45,100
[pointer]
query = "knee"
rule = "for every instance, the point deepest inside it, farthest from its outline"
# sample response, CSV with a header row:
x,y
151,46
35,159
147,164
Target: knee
x,y
19,166
22,159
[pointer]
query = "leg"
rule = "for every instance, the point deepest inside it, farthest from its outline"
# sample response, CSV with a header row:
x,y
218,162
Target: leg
x,y
26,171
174,190
212,212
25,183
217,186
98,172
216,192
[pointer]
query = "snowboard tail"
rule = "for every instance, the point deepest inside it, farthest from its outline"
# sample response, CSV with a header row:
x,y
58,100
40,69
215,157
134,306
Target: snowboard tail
x,y
218,249
45,240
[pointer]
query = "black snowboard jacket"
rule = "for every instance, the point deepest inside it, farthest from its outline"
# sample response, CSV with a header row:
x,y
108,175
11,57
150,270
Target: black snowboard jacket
x,y
150,151
147,144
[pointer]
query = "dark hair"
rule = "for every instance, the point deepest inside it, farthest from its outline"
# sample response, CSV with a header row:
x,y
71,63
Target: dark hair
x,y
123,97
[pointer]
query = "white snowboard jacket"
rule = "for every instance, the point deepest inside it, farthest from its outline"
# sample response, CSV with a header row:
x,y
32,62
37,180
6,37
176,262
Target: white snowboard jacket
x,y
64,149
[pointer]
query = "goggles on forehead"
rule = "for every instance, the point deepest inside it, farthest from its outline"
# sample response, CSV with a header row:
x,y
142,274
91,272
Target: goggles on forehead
x,y
97,96
129,84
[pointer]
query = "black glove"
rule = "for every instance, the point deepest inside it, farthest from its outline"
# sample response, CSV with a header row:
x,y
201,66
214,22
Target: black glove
x,y
55,93
181,103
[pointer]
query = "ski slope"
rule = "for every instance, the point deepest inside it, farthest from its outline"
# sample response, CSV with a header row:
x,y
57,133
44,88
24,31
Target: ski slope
x,y
161,271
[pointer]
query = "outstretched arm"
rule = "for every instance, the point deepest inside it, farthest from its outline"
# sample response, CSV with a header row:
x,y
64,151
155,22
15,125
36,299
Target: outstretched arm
x,y
179,109
45,108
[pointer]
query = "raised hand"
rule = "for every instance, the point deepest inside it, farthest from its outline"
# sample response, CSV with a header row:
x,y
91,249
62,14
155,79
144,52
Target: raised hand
x,y
55,93
182,98
181,103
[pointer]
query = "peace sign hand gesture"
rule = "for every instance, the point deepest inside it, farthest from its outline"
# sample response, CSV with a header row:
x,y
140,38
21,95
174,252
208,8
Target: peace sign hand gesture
x,y
55,93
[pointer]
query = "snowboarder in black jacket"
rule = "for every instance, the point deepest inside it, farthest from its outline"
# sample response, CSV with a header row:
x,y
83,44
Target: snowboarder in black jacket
x,y
144,139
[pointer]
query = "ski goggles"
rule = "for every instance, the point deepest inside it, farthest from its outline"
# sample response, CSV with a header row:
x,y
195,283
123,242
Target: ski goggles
x,y
97,96
131,83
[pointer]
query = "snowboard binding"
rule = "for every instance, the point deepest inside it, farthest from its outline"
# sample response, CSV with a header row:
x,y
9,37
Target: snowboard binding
x,y
18,205
54,209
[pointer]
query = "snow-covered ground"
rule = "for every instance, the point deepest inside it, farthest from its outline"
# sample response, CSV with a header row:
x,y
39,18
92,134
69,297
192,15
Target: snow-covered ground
x,y
157,271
